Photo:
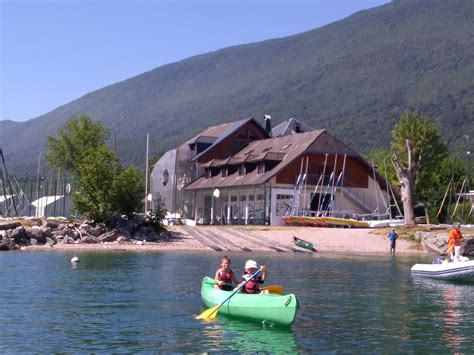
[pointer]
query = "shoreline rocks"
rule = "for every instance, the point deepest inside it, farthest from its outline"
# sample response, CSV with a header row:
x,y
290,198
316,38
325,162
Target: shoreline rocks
x,y
438,243
140,227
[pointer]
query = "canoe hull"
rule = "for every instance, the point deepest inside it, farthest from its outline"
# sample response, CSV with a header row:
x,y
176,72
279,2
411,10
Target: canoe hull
x,y
277,309
303,244
460,271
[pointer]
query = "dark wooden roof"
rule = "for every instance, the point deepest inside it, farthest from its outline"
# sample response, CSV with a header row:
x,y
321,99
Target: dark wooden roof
x,y
282,150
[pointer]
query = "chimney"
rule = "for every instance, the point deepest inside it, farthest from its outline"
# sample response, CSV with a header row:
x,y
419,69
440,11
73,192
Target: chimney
x,y
268,124
297,127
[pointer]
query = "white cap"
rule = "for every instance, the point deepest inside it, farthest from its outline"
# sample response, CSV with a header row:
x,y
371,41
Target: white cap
x,y
251,264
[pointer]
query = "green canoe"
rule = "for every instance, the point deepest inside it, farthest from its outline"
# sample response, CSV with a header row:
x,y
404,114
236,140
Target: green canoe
x,y
277,309
304,244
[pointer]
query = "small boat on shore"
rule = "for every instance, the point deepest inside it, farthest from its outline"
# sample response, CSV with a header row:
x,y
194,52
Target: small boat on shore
x,y
345,222
273,308
303,244
443,270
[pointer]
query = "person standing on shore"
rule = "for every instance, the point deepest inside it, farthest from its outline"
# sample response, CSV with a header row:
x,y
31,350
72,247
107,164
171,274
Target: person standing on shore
x,y
455,240
393,236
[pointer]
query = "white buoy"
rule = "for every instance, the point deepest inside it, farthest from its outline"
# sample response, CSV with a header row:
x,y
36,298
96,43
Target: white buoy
x,y
74,259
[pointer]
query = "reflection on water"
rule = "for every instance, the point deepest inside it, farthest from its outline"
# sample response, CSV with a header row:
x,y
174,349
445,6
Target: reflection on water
x,y
134,302
453,313
453,317
240,336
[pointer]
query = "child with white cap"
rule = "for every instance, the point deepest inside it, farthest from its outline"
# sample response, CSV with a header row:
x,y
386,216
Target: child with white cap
x,y
253,286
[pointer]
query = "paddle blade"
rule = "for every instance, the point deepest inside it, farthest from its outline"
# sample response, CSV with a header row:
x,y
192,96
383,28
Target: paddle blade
x,y
274,289
209,313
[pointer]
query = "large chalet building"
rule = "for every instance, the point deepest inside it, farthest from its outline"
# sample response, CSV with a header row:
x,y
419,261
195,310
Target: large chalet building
x,y
245,173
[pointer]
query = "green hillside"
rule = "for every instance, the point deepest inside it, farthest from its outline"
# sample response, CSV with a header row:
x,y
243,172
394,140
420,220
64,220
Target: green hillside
x,y
352,77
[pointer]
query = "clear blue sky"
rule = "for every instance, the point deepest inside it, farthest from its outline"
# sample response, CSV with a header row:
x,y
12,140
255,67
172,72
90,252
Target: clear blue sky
x,y
53,52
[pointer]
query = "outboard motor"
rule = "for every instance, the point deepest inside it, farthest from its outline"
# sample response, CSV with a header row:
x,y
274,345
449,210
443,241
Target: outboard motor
x,y
438,260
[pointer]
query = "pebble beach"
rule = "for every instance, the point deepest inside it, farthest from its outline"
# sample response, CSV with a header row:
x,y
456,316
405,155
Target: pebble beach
x,y
258,238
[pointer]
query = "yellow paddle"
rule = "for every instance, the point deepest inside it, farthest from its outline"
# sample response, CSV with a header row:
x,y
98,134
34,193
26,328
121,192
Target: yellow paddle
x,y
211,313
273,289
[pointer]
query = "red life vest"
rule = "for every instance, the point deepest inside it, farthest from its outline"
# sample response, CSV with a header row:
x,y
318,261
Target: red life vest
x,y
227,277
253,286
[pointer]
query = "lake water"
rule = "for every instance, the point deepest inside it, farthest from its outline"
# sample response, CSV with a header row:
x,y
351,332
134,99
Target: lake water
x,y
139,302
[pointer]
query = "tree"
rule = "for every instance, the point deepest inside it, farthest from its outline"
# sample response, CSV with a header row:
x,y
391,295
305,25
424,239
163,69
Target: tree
x,y
380,158
128,191
106,189
78,135
99,168
416,145
436,186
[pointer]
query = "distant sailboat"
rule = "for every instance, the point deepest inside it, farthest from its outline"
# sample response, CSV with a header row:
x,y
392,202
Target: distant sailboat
x,y
13,201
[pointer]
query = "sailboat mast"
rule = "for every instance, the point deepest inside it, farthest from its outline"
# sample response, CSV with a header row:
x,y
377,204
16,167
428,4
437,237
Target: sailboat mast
x,y
146,173
322,182
341,208
9,183
388,191
375,188
305,183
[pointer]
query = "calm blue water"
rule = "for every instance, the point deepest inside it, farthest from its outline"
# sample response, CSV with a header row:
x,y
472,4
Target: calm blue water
x,y
138,302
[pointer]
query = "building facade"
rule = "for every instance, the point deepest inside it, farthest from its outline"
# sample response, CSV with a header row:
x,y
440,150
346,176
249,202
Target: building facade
x,y
238,173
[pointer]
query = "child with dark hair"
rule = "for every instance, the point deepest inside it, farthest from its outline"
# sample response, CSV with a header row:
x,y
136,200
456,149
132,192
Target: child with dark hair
x,y
225,277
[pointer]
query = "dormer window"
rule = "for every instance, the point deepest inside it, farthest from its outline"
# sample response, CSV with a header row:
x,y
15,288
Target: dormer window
x,y
225,172
261,167
208,173
242,169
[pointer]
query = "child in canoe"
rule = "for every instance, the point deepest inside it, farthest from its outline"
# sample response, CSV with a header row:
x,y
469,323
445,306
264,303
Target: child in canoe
x,y
253,286
225,277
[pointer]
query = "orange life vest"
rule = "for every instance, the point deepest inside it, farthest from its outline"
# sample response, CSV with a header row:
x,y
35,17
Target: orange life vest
x,y
454,239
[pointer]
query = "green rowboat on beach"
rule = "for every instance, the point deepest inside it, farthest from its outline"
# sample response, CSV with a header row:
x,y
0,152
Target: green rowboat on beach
x,y
277,309
304,244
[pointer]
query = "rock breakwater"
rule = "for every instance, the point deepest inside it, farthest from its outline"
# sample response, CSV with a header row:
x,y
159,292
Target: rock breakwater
x,y
436,242
21,233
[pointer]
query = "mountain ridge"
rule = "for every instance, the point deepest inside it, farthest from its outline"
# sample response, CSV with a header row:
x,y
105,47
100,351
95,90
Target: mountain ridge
x,y
352,77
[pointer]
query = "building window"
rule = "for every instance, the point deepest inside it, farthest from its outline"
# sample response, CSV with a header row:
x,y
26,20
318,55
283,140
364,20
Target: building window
x,y
261,167
233,198
242,169
243,198
208,173
225,172
260,197
251,197
166,177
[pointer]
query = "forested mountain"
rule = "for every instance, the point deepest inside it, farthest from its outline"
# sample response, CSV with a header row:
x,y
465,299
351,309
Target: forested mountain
x,y
353,77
